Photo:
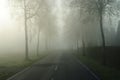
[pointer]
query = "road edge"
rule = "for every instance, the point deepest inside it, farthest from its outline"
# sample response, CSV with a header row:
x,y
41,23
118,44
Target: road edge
x,y
97,78
22,71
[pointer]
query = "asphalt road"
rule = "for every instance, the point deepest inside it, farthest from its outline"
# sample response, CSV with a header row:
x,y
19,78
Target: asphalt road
x,y
57,66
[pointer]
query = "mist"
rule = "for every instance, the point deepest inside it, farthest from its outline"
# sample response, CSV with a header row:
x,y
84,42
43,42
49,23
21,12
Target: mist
x,y
56,30
61,28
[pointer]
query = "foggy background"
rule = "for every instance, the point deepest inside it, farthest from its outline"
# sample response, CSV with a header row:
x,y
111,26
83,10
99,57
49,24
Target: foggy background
x,y
62,26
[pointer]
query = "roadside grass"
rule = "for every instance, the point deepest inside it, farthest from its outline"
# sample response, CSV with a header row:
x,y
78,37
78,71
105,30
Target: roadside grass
x,y
10,64
104,72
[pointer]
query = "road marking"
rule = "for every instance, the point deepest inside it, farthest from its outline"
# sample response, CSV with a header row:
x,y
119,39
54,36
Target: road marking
x,y
97,78
56,68
20,73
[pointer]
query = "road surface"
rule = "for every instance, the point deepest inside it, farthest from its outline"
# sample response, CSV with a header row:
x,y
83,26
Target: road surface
x,y
59,66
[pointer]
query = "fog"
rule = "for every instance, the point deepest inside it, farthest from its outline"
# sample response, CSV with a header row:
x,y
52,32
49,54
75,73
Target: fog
x,y
62,25
32,30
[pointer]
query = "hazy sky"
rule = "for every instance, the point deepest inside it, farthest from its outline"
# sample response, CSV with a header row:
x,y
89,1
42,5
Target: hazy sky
x,y
12,28
11,35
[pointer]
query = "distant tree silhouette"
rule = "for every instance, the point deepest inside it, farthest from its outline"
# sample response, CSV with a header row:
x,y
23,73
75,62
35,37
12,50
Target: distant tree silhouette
x,y
118,34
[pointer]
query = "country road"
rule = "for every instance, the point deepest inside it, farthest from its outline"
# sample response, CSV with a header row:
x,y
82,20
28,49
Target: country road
x,y
59,66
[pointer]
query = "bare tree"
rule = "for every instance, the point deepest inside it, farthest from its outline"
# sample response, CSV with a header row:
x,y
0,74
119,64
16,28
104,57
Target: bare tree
x,y
29,8
44,22
29,12
99,8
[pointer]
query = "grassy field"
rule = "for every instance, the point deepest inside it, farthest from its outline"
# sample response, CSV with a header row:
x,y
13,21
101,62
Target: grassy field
x,y
13,63
104,72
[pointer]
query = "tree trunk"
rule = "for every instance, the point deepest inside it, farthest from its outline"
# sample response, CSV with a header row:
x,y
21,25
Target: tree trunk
x,y
83,44
26,33
47,44
103,38
38,42
77,43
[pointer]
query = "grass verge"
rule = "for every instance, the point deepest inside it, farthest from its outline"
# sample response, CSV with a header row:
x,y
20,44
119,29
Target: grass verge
x,y
10,69
104,72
